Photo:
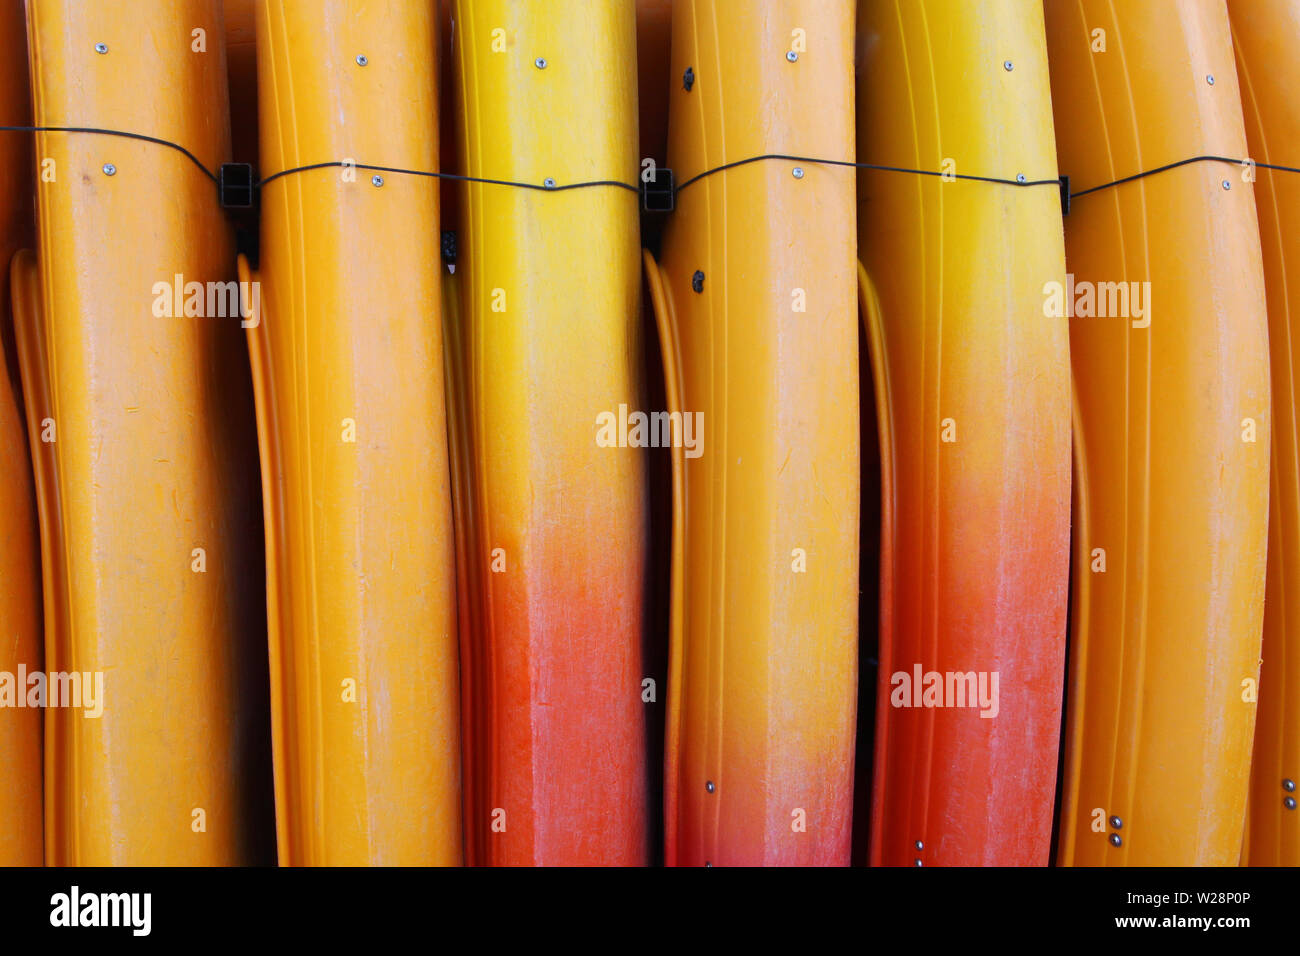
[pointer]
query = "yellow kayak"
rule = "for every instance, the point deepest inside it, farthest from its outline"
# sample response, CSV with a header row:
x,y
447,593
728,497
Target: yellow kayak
x,y
1169,345
972,394
755,297
544,345
1265,35
135,387
21,842
347,363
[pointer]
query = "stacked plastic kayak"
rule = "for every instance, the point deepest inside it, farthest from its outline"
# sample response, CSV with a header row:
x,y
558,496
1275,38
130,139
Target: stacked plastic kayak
x,y
140,426
612,432
972,396
1172,424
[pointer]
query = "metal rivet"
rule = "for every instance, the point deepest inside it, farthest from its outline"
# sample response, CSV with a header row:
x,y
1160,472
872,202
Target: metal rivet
x,y
707,863
1288,785
1227,185
109,169
1020,177
361,59
1209,78
1115,840
101,47
1008,65
697,284
548,182
918,863
797,172
540,62
688,79
1117,823
376,180
792,56
708,785
1289,803
920,845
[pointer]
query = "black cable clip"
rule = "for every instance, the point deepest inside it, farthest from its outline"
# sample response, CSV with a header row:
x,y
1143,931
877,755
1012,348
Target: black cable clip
x,y
235,185
658,194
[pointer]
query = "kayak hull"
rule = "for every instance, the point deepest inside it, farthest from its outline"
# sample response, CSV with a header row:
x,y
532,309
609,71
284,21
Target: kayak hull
x,y
143,448
1264,37
545,342
754,292
1171,436
348,369
972,391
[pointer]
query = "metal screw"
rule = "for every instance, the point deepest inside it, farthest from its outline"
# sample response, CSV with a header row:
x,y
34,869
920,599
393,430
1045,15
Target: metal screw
x,y
918,863
1117,823
1008,65
792,56
548,182
540,62
1115,840
1020,177
1288,785
1227,185
697,281
376,180
1209,78
707,863
709,786
920,845
101,47
361,59
688,79
109,169
1289,803
797,172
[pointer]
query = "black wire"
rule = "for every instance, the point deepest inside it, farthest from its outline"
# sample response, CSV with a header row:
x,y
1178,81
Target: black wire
x,y
452,176
1181,162
887,169
115,132
613,182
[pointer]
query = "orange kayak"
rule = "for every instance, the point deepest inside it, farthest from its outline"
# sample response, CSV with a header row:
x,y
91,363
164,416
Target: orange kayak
x,y
1265,36
1169,347
348,369
140,420
758,328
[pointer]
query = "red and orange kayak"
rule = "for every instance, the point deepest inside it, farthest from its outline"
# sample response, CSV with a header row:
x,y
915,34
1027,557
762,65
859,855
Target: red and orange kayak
x,y
971,385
